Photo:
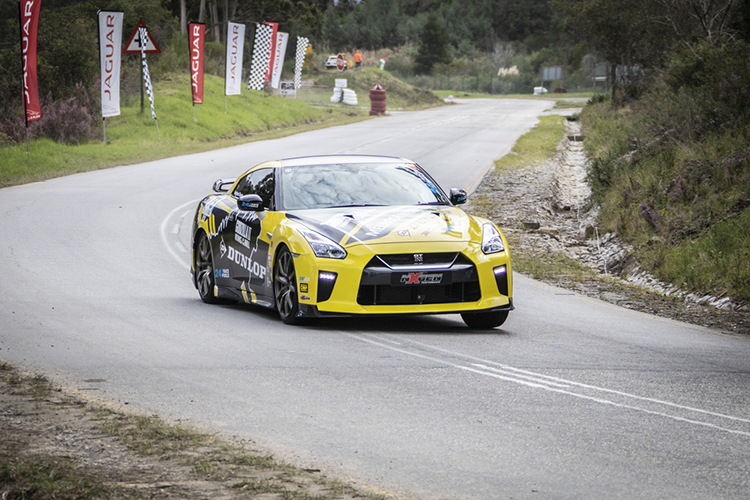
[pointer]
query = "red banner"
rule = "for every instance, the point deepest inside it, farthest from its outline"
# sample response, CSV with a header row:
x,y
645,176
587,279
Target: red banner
x,y
29,28
272,50
197,43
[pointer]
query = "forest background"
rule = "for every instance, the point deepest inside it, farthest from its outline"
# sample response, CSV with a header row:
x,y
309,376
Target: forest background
x,y
669,141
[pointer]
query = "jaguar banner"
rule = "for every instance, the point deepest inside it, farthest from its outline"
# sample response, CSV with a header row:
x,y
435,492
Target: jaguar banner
x,y
197,45
110,43
271,50
29,16
278,58
235,50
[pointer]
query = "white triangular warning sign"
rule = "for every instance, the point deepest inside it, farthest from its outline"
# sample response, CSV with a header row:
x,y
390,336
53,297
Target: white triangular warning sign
x,y
133,45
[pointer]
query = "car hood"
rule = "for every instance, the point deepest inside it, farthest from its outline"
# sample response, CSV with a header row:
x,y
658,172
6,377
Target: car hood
x,y
351,226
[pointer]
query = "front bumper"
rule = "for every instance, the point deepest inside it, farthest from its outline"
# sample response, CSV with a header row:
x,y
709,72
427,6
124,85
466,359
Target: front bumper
x,y
312,311
363,284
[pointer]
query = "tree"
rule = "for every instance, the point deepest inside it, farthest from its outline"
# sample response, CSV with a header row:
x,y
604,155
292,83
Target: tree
x,y
514,20
695,20
433,44
296,17
622,31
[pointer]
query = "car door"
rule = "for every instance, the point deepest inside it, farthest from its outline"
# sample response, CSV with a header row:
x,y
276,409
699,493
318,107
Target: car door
x,y
247,252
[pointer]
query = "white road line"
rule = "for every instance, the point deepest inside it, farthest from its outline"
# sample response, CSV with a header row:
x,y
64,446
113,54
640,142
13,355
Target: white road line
x,y
553,384
165,234
526,377
578,384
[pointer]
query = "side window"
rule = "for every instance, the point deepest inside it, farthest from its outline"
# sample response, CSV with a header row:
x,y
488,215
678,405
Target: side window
x,y
260,182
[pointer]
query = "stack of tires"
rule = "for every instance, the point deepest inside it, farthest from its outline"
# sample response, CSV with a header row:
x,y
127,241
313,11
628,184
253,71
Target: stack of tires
x,y
347,96
377,100
350,97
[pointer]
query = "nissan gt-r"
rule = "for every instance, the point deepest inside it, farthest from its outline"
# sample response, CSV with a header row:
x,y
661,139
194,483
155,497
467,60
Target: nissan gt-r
x,y
348,235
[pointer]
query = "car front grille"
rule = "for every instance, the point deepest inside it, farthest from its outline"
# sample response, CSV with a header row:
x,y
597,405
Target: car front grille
x,y
442,278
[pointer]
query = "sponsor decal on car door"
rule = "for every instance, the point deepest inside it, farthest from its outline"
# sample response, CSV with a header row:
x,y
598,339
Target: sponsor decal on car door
x,y
245,253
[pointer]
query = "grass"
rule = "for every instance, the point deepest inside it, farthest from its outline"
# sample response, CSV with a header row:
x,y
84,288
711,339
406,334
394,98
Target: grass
x,y
547,267
46,477
218,460
682,201
536,146
132,137
718,259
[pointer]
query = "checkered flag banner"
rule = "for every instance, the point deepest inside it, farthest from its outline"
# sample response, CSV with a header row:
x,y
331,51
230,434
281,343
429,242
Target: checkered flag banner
x,y
146,75
299,59
261,56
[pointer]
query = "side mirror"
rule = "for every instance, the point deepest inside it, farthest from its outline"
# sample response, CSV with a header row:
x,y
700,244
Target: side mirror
x,y
220,185
250,203
458,196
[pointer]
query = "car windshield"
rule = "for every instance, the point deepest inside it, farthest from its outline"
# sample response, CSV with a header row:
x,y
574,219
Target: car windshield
x,y
358,184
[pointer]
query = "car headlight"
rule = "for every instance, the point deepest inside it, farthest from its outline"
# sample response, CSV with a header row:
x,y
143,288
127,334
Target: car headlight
x,y
492,242
322,246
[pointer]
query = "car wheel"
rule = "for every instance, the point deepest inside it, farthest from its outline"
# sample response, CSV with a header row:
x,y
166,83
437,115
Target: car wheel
x,y
484,320
204,270
285,288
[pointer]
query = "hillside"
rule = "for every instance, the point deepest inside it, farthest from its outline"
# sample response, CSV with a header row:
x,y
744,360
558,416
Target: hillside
x,y
399,93
671,170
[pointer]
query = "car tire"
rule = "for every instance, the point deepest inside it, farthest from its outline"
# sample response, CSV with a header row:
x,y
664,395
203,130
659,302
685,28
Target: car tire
x,y
204,270
285,288
484,320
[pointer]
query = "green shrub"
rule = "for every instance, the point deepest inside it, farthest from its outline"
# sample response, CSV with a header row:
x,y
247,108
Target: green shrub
x,y
671,171
714,80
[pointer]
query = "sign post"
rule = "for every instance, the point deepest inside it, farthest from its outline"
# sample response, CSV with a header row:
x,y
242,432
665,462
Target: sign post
x,y
288,89
340,62
133,46
550,73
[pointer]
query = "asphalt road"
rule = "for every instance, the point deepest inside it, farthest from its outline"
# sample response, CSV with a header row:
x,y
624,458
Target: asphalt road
x,y
571,398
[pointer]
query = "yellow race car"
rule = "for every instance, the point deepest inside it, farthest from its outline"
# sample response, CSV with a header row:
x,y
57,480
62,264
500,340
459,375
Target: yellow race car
x,y
347,235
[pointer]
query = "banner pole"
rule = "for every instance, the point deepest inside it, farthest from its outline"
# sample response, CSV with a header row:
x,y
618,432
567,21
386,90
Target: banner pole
x,y
194,113
226,62
141,87
104,124
157,129
28,150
